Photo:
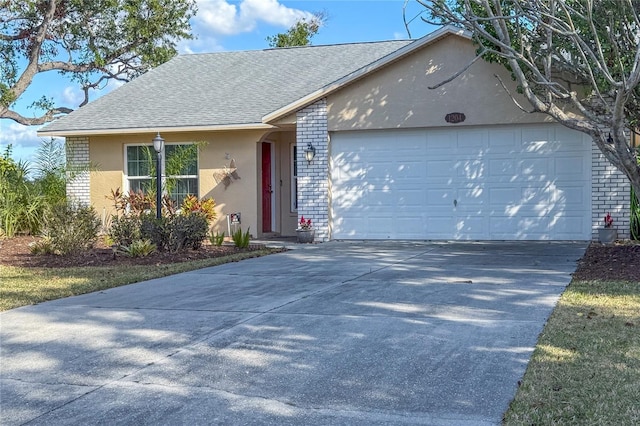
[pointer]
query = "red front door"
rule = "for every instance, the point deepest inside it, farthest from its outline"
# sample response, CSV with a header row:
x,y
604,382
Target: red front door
x,y
267,190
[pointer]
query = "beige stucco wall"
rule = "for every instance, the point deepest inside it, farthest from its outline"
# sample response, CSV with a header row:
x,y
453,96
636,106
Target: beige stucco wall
x,y
107,152
398,95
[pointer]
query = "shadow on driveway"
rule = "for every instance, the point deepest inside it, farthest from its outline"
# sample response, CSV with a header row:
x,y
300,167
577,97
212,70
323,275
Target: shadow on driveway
x,y
338,333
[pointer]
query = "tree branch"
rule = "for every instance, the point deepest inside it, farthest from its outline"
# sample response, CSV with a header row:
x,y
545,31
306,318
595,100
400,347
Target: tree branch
x,y
459,73
35,121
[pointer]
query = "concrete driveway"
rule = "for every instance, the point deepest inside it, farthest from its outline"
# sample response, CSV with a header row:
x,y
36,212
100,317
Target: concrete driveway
x,y
339,333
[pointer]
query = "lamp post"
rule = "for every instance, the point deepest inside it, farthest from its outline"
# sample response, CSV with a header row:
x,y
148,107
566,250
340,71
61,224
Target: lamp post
x,y
158,144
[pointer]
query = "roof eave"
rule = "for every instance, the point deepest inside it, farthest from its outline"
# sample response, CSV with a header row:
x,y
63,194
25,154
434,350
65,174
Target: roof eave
x,y
348,79
141,130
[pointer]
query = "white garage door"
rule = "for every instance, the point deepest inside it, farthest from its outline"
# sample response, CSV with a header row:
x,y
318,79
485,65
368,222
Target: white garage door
x,y
498,183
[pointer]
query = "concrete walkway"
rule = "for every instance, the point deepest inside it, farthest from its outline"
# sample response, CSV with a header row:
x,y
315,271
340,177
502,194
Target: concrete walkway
x,y
336,333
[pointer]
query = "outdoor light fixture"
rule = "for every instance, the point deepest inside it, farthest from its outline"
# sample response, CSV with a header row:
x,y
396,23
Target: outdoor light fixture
x,y
158,144
309,153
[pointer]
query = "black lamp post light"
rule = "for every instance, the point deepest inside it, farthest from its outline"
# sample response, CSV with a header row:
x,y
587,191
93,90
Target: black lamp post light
x,y
158,145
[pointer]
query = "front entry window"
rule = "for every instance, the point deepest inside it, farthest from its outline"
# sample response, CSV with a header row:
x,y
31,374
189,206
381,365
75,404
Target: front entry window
x,y
180,166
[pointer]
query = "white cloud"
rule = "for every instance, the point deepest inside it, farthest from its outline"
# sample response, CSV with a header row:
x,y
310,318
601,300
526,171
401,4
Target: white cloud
x,y
271,12
201,44
218,16
71,95
18,135
221,17
400,36
23,140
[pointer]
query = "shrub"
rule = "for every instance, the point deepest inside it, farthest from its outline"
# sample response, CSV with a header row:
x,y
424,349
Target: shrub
x,y
124,230
156,230
135,203
206,206
188,231
71,227
171,232
44,246
216,239
21,205
241,240
138,248
175,233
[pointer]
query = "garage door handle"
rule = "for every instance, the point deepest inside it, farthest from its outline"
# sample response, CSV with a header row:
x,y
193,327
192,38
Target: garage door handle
x,y
455,203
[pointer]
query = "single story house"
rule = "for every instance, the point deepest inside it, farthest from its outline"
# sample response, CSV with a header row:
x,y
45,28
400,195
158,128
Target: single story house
x,y
394,159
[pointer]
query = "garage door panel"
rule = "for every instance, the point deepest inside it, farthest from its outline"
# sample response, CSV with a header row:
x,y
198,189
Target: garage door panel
x,y
440,198
470,169
501,168
438,227
472,142
570,167
415,198
539,169
521,227
504,196
439,169
380,198
533,135
567,226
503,141
570,197
439,142
518,182
470,227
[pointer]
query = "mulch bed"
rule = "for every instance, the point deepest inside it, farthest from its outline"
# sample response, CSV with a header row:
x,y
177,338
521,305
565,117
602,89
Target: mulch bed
x,y
615,262
601,262
17,252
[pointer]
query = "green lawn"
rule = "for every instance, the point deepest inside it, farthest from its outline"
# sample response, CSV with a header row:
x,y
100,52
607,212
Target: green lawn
x,y
28,286
585,369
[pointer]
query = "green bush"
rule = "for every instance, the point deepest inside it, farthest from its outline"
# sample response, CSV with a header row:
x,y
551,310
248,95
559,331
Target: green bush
x,y
188,231
26,190
175,233
138,248
44,246
241,240
156,230
124,230
21,204
172,232
71,227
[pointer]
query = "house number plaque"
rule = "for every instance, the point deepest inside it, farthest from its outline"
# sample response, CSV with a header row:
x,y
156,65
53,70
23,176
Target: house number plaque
x,y
455,117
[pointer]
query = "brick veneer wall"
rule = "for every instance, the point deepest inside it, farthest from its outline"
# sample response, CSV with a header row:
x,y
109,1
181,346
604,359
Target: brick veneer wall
x,y
610,193
313,179
77,150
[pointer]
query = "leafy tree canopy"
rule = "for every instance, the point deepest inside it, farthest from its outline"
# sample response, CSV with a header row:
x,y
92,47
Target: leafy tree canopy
x,y
89,41
301,33
576,60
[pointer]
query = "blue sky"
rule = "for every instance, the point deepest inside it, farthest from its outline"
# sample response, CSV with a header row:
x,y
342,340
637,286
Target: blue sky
x,y
226,25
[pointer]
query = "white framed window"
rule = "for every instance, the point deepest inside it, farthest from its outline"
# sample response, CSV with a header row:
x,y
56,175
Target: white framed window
x,y
139,163
294,178
180,161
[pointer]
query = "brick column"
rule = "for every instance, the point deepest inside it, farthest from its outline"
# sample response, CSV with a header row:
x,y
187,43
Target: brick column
x,y
610,193
77,150
313,179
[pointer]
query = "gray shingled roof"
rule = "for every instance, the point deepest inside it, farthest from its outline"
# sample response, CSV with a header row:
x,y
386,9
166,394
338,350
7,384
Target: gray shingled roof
x,y
226,88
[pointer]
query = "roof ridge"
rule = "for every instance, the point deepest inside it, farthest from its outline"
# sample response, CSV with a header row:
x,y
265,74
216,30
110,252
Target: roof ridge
x,y
311,46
